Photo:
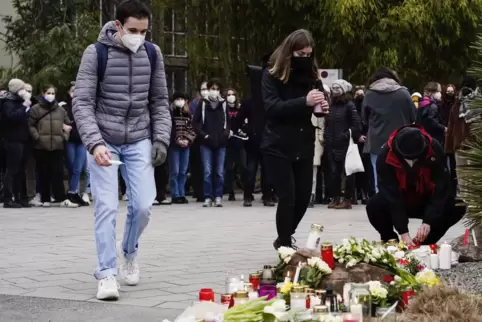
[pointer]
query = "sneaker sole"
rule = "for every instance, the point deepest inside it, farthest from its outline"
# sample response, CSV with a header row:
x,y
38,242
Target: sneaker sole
x,y
108,296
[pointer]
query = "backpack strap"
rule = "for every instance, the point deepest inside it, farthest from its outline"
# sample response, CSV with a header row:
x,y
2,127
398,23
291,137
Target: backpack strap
x,y
151,54
102,55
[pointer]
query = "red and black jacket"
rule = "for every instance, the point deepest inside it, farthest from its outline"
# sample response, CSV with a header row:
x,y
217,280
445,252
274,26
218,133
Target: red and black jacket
x,y
420,190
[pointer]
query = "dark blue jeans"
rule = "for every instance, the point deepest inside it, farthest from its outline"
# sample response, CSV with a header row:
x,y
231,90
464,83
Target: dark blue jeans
x,y
76,156
213,162
178,164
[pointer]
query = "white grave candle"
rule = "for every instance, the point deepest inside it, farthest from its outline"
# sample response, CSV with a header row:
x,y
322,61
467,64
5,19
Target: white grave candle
x,y
357,310
297,274
445,259
434,261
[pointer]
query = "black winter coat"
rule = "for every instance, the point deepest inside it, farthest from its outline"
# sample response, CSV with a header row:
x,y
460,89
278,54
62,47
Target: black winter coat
x,y
14,118
288,131
213,123
74,136
429,117
343,117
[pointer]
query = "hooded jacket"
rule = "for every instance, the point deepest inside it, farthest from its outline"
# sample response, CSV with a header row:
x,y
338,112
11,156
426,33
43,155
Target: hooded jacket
x,y
14,125
211,119
121,112
386,107
418,191
428,116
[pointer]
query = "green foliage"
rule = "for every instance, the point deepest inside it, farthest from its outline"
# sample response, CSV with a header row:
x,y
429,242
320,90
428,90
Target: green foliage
x,y
49,41
422,40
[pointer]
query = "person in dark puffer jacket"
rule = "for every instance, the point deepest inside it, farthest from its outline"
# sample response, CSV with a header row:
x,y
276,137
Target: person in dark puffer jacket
x,y
182,138
16,137
211,123
76,154
428,114
342,119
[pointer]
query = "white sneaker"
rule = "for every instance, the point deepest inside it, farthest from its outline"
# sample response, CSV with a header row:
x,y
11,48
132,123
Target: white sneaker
x,y
124,197
36,201
46,204
219,202
129,269
86,198
108,289
67,204
208,202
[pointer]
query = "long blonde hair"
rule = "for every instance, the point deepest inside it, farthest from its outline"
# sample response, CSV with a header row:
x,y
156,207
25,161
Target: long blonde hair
x,y
280,60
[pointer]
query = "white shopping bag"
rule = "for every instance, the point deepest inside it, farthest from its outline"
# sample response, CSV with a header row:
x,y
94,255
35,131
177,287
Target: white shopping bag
x,y
353,161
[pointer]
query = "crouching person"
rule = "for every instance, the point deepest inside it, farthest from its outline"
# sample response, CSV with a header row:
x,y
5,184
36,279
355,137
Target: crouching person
x,y
413,182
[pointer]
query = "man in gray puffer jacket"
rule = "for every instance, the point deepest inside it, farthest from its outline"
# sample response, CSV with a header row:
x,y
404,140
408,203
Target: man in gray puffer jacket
x,y
122,114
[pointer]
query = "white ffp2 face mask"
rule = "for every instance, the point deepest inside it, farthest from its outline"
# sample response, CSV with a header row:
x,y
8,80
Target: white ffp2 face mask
x,y
49,98
213,93
179,103
133,41
231,99
204,93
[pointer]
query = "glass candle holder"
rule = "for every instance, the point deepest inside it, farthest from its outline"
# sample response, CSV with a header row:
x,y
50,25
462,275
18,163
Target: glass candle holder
x,y
267,290
298,297
390,317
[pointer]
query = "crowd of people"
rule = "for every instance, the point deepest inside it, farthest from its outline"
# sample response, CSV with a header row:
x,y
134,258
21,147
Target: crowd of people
x,y
118,116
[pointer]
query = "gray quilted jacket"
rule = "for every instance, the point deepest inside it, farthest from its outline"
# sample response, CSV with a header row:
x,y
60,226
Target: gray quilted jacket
x,y
122,113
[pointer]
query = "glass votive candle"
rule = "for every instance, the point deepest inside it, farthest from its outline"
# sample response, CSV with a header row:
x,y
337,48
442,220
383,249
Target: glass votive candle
x,y
267,290
390,317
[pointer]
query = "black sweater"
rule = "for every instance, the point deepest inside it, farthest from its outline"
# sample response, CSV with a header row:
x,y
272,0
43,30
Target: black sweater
x,y
425,186
213,123
14,118
288,131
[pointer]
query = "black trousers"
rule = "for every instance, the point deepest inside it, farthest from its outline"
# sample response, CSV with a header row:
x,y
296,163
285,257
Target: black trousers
x,y
234,165
122,184
161,176
363,180
15,179
254,159
50,165
292,182
3,167
378,211
196,170
337,170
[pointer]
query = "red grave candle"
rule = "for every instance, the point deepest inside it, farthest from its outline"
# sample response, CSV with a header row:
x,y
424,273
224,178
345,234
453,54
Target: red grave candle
x,y
254,279
206,295
327,254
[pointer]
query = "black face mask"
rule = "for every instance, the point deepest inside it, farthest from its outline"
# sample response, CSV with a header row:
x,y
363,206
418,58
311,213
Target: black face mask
x,y
359,98
302,65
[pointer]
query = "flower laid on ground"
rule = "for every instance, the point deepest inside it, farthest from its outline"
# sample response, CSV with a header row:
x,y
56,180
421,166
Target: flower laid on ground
x,y
319,264
285,253
278,309
351,251
285,288
313,273
427,277
378,291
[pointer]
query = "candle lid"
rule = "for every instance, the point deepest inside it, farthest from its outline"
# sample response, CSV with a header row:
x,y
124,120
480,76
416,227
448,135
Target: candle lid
x,y
254,275
267,267
241,294
326,246
317,227
309,290
320,309
298,289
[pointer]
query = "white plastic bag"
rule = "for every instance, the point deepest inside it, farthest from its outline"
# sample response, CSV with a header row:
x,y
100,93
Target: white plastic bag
x,y
353,161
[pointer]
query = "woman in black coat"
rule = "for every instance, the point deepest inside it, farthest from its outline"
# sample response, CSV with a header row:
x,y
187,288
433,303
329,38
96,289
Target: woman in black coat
x,y
291,88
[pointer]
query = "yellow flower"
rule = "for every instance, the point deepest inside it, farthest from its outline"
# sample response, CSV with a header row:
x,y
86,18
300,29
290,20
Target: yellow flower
x,y
286,288
427,277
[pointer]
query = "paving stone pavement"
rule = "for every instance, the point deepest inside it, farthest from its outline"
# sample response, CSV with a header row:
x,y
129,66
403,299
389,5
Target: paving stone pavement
x,y
50,253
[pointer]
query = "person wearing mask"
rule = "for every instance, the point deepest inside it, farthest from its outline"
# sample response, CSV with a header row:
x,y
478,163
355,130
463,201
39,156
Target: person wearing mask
x,y
457,131
211,122
413,183
46,124
235,153
291,89
342,123
195,162
319,124
75,153
428,114
386,107
122,114
363,183
14,104
182,138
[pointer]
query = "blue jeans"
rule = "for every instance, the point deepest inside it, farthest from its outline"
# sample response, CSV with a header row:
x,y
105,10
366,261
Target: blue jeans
x,y
178,164
138,174
373,158
76,155
213,161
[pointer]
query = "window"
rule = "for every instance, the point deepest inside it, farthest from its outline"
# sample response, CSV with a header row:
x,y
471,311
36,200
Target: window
x,y
176,79
175,33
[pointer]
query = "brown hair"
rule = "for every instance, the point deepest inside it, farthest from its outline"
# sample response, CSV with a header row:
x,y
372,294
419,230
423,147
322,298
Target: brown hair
x,y
431,88
280,60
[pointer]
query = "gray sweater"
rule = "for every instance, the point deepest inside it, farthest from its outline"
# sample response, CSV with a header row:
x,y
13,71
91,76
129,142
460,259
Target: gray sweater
x,y
122,113
386,107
